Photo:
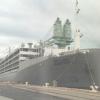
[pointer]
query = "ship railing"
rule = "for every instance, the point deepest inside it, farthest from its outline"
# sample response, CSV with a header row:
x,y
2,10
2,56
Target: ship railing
x,y
68,52
9,56
75,51
12,65
10,69
8,66
7,61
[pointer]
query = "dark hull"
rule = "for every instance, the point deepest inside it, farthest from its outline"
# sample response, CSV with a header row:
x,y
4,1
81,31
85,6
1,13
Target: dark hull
x,y
76,70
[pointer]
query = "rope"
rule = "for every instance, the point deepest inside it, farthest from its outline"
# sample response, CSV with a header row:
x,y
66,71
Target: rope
x,y
91,75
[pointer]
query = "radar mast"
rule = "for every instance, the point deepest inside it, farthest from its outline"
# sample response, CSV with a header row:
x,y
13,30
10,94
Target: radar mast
x,y
77,31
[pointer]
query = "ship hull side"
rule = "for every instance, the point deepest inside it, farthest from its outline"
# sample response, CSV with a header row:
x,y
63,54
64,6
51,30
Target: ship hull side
x,y
78,70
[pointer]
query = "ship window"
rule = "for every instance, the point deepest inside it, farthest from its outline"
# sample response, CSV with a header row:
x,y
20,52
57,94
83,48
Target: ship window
x,y
25,49
27,55
34,50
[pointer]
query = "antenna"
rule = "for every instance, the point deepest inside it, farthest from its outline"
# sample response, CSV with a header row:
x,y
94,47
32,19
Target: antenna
x,y
77,33
77,7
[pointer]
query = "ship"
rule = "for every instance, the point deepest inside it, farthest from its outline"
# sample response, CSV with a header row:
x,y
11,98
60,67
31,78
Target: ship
x,y
54,62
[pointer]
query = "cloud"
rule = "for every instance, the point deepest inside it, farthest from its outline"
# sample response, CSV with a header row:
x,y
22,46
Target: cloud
x,y
32,19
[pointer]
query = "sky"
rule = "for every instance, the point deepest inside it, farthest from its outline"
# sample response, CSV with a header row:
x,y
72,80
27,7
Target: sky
x,y
29,20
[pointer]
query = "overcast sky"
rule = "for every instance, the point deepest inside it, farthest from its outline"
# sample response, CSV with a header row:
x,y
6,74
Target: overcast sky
x,y
28,20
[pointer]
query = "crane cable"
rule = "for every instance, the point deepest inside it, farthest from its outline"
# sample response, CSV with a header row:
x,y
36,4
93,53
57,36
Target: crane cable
x,y
48,33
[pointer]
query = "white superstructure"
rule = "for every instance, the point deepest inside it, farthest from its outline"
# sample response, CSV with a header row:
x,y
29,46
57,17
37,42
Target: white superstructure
x,y
11,62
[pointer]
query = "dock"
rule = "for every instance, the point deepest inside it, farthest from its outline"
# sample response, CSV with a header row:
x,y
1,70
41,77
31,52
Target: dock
x,y
56,93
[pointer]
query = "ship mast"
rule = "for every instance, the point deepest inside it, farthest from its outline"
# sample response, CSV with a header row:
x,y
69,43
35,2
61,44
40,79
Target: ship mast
x,y
77,44
77,31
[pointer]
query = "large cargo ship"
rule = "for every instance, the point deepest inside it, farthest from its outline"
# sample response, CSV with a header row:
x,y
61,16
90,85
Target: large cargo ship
x,y
75,68
61,65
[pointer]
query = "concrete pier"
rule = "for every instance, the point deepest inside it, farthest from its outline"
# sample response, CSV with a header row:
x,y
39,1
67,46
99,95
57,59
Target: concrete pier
x,y
60,93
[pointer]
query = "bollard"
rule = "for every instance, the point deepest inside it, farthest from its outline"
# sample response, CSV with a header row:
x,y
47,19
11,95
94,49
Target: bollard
x,y
46,84
26,83
93,88
54,83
